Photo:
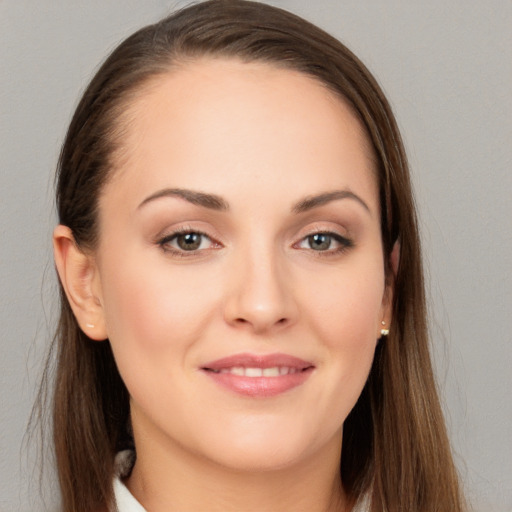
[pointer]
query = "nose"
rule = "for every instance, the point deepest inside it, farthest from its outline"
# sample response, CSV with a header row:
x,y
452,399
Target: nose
x,y
260,293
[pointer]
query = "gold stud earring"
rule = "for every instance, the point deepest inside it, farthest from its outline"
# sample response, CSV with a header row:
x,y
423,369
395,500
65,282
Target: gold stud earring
x,y
384,331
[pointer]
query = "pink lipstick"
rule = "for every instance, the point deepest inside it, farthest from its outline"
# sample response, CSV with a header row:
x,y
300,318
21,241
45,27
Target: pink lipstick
x,y
259,375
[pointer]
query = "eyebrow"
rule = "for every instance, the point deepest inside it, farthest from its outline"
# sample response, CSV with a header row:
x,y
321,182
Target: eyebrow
x,y
211,201
215,202
315,201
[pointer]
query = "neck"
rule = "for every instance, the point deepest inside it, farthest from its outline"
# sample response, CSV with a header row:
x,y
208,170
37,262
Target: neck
x,y
175,479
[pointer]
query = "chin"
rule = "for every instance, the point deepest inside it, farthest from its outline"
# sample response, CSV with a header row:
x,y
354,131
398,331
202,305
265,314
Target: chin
x,y
258,459
260,450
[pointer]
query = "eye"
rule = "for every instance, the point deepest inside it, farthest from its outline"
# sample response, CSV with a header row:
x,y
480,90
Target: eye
x,y
190,241
325,242
186,241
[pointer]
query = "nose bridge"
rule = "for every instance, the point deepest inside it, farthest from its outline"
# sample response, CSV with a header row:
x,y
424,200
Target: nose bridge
x,y
260,295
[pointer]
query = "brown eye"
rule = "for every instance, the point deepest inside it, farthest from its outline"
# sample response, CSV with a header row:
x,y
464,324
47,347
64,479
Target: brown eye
x,y
186,241
189,241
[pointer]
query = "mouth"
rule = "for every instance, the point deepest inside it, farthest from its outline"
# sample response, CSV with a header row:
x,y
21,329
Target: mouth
x,y
254,372
259,375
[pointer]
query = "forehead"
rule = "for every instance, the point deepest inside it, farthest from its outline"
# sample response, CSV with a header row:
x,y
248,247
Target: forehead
x,y
237,118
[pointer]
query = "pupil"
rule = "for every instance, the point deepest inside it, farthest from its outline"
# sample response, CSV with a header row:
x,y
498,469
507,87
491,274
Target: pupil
x,y
320,242
189,241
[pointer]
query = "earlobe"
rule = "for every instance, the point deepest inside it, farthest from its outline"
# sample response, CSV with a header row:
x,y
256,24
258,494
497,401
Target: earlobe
x,y
387,300
79,277
385,323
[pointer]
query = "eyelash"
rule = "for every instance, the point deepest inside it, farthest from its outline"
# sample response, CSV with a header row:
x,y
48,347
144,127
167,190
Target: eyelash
x,y
344,243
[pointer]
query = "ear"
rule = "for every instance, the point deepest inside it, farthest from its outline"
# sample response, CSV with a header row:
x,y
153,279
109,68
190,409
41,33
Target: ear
x,y
394,259
389,291
80,280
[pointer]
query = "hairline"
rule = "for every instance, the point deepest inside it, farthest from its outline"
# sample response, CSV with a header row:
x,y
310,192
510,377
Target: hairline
x,y
130,102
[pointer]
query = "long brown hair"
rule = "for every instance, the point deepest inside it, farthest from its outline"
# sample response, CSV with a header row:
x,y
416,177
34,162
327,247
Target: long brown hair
x,y
395,446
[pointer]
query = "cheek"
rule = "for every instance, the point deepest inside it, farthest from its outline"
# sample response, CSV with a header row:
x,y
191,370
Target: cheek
x,y
345,318
347,307
152,313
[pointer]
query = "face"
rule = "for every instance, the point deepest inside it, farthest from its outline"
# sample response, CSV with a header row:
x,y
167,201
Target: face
x,y
240,267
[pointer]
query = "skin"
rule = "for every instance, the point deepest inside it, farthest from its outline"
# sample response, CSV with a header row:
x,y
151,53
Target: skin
x,y
262,139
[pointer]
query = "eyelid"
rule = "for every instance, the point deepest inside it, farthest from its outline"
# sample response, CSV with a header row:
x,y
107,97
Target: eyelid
x,y
187,226
327,227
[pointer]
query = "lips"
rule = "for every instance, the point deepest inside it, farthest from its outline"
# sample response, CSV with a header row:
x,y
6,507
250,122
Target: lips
x,y
259,375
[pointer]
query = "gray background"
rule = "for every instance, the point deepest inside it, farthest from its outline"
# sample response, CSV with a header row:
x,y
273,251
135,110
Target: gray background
x,y
447,69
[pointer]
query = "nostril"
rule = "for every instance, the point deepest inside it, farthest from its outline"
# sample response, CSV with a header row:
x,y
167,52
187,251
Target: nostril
x,y
260,324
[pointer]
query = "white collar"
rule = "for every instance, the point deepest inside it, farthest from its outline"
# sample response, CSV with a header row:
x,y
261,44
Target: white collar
x,y
125,502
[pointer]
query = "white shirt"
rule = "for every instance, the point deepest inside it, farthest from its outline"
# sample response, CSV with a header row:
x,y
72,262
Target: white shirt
x,y
125,502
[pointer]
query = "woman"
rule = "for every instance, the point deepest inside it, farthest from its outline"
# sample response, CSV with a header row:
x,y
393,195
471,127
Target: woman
x,y
242,292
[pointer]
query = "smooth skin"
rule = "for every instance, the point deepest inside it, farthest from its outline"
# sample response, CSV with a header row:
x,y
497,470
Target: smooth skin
x,y
210,245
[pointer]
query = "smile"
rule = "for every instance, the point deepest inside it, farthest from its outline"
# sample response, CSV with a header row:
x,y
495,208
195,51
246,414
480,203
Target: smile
x,y
259,376
274,371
